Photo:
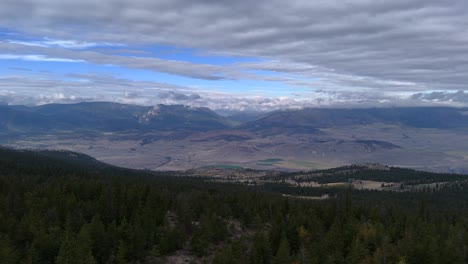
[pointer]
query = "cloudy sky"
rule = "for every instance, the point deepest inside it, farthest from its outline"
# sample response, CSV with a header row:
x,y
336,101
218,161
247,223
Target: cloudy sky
x,y
237,55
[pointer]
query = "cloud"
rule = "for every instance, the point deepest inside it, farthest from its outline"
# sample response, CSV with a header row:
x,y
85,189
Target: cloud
x,y
356,52
43,88
183,68
20,89
293,74
35,57
422,42
176,96
67,44
456,98
27,43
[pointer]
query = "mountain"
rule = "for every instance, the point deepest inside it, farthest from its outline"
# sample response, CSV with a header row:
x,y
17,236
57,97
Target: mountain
x,y
240,117
101,116
182,117
107,117
21,120
310,119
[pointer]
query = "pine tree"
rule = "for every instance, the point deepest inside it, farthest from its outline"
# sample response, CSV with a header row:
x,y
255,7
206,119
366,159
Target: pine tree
x,y
8,252
75,250
282,256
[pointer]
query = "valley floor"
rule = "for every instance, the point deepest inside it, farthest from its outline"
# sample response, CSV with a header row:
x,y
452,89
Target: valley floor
x,y
424,149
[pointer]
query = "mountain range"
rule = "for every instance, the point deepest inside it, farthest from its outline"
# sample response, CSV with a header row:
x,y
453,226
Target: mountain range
x,y
104,116
180,137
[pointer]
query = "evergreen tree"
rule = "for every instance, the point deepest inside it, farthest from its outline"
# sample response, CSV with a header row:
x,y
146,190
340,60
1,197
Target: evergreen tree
x,y
282,256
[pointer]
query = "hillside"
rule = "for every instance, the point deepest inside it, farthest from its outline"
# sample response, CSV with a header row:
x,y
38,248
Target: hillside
x,y
31,160
58,207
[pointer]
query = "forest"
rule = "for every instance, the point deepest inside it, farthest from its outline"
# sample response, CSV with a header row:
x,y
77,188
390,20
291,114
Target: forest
x,y
61,207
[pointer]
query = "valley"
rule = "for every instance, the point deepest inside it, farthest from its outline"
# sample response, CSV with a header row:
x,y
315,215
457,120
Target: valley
x,y
424,149
179,138
233,132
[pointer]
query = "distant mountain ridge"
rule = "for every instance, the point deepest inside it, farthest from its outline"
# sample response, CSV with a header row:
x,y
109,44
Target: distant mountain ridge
x,y
313,118
105,116
109,117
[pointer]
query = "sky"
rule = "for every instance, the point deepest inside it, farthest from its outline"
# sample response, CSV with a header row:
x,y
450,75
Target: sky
x,y
235,55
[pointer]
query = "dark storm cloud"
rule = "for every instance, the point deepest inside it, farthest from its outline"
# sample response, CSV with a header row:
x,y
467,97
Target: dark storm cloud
x,y
395,46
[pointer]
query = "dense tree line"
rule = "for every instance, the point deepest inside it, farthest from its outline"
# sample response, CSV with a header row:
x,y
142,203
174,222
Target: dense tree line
x,y
344,174
52,211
